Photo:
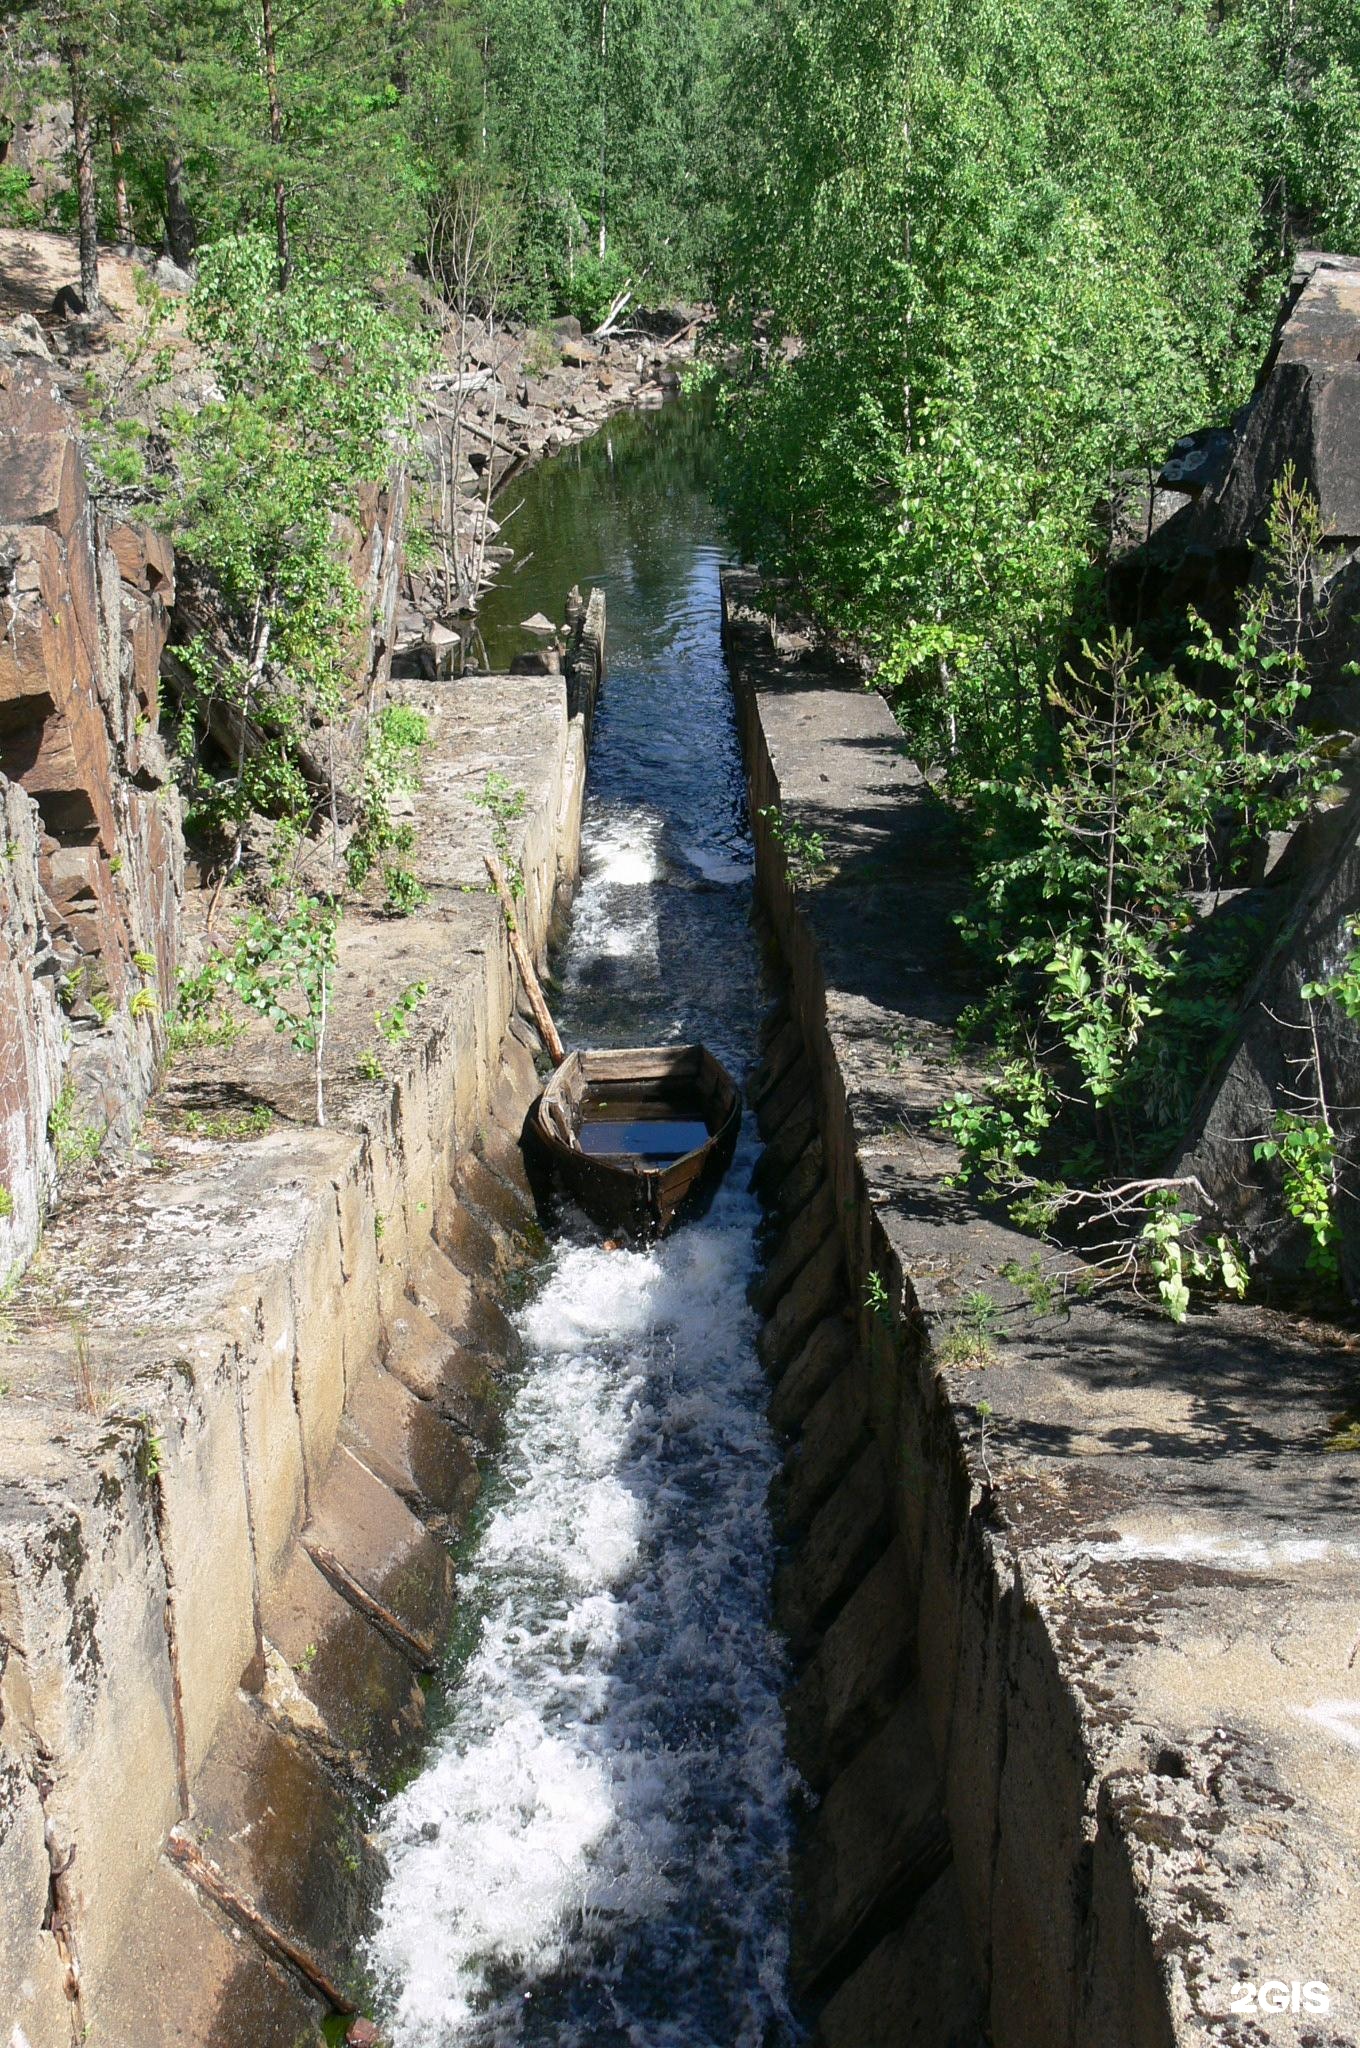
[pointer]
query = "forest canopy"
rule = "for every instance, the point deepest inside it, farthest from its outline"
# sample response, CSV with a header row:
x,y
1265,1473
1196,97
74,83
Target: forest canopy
x,y
975,266
590,129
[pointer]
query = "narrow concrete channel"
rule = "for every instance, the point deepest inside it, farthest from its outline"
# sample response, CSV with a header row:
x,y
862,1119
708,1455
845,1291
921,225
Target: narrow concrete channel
x,y
598,1846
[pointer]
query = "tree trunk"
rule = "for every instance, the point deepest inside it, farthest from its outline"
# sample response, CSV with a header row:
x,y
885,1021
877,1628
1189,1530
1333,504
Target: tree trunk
x,y
120,190
271,78
180,235
83,134
604,122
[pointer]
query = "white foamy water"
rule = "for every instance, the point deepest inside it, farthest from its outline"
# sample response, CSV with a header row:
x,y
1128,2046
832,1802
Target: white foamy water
x,y
616,913
624,851
602,1822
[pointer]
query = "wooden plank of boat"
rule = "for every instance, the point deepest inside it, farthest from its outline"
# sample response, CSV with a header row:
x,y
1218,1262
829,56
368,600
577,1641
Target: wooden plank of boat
x,y
638,1193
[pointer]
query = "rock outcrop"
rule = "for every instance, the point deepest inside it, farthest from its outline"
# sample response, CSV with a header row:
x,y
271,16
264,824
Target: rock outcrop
x,y
1304,417
91,882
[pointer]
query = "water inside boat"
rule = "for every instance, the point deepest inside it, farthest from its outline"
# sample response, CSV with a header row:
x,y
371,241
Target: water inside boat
x,y
615,1124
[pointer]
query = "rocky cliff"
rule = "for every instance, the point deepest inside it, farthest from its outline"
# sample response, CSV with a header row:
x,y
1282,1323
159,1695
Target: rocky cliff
x,y
91,880
1289,1054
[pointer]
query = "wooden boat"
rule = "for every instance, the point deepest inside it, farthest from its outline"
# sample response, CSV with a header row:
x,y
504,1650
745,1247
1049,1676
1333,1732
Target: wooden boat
x,y
637,1138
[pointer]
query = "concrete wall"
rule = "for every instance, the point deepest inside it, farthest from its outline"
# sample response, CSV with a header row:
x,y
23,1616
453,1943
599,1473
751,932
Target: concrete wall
x,y
254,1389
1071,1590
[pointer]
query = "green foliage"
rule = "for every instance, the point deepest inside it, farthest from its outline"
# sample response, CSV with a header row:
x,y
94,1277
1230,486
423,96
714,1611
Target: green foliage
x,y
998,1133
877,1299
74,1143
1342,987
1305,1148
314,383
1090,861
588,127
1302,1140
17,210
1300,68
609,120
117,438
394,1025
591,286
962,1346
1043,1291
1344,1433
6,1203
1272,769
505,804
980,262
1009,250
282,970
803,849
396,740
227,1126
281,967
1174,1255
150,1452
198,1022
341,154
1146,791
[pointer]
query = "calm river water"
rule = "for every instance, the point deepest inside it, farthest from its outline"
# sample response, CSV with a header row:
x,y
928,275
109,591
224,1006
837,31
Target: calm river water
x,y
596,1849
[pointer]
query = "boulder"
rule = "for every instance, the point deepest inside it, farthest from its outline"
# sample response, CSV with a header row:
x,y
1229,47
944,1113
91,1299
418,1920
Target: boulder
x,y
1305,414
1304,411
24,337
171,277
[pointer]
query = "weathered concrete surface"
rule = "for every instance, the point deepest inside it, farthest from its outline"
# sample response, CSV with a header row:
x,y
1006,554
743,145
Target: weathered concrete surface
x,y
243,1374
917,1989
1134,1598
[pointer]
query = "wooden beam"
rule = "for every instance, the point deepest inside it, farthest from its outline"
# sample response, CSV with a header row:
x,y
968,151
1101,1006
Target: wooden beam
x,y
533,988
211,1882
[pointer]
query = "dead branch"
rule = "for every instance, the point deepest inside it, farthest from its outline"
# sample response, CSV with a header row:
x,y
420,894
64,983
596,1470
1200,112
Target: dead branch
x,y
620,305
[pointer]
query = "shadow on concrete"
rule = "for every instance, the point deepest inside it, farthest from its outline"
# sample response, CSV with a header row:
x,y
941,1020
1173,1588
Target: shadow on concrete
x,y
1227,1418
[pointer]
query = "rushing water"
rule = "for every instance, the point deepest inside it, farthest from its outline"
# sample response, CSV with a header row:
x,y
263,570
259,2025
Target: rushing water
x,y
596,1849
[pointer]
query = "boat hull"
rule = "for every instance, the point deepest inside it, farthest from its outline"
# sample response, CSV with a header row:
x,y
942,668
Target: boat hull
x,y
628,1198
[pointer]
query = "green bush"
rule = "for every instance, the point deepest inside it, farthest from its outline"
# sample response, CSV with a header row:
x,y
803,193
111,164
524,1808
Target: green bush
x,y
591,287
17,209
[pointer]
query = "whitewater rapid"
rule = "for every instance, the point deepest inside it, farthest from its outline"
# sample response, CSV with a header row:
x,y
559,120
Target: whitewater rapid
x,y
596,1849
